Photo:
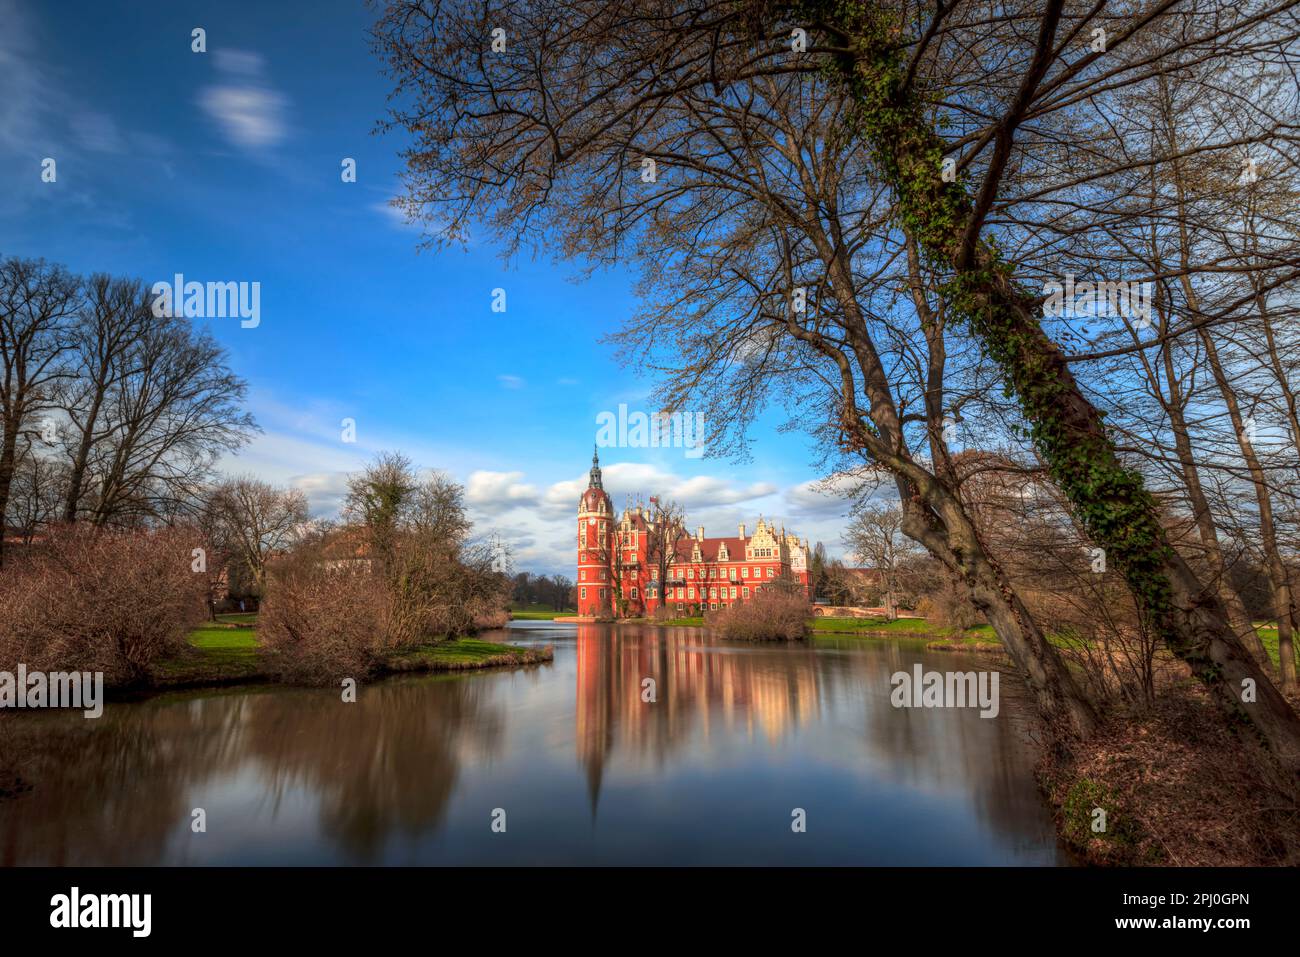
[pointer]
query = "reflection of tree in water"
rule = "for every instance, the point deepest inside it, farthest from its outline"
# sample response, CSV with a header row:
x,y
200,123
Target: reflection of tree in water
x,y
942,750
108,791
385,764
111,791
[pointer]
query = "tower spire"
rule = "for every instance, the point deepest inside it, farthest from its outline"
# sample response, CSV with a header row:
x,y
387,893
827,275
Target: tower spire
x,y
595,469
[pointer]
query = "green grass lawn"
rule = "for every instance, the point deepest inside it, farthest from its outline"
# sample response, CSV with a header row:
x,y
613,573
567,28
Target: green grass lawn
x,y
851,626
1268,635
219,654
902,628
466,653
215,654
979,635
239,618
543,614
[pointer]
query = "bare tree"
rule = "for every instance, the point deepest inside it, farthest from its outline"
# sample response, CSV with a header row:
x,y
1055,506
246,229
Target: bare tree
x,y
256,520
169,418
876,535
114,315
37,302
36,494
748,236
778,216
665,531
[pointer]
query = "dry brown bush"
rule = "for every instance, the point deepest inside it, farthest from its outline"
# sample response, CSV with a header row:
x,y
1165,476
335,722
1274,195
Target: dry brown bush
x,y
946,605
771,615
91,599
323,621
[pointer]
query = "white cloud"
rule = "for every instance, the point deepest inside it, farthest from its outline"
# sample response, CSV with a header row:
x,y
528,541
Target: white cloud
x,y
249,111
511,381
496,492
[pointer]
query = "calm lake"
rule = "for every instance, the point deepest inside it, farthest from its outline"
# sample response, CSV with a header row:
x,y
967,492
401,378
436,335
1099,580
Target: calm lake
x,y
585,770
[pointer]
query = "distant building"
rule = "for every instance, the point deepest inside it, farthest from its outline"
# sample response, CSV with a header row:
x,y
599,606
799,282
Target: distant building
x,y
616,561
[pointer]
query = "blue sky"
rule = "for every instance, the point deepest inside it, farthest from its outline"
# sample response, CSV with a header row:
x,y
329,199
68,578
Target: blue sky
x,y
225,166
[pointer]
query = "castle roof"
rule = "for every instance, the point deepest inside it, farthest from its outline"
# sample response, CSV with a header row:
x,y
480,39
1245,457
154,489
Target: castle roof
x,y
710,547
592,498
595,492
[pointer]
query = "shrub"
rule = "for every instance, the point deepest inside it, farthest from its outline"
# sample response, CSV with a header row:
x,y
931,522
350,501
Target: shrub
x,y
326,618
771,615
948,606
90,599
323,620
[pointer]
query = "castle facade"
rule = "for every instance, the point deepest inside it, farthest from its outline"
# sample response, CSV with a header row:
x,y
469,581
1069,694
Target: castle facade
x,y
630,565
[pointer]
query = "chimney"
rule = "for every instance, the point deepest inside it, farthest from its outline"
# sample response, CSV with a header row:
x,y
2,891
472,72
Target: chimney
x,y
699,533
742,531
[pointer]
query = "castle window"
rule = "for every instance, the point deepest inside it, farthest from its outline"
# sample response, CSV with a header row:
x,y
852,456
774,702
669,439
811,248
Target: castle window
x,y
582,593
634,591
745,590
733,591
745,571
771,573
692,593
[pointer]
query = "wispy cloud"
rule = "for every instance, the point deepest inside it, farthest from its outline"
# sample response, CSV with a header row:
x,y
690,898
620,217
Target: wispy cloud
x,y
97,132
395,215
249,111
23,103
511,381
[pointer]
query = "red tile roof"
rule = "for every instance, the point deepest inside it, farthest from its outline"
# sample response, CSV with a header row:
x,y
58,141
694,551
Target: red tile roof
x,y
709,548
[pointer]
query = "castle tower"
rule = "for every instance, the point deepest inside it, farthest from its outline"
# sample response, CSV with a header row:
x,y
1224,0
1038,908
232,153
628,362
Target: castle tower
x,y
596,546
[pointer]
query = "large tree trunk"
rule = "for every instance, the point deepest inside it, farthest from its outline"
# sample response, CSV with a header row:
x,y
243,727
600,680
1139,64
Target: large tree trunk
x,y
1204,518
1283,604
77,474
935,517
1109,497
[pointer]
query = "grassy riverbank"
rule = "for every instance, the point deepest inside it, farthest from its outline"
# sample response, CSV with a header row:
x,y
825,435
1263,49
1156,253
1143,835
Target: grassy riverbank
x,y
228,652
917,628
539,614
466,653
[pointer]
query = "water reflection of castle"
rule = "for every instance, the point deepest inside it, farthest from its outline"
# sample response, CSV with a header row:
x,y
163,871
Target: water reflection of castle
x,y
697,686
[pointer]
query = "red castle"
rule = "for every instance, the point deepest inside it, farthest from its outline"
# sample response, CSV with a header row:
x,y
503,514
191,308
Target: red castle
x,y
631,564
